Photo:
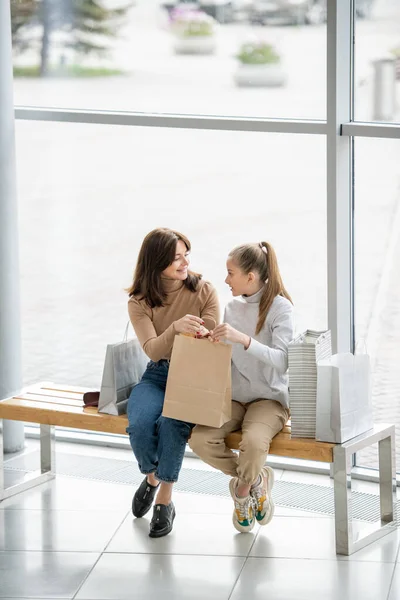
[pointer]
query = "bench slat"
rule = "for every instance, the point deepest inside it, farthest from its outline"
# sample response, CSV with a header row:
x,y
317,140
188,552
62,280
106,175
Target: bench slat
x,y
36,397
56,387
60,415
56,394
62,406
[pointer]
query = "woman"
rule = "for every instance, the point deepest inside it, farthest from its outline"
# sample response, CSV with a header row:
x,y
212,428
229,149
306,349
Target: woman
x,y
165,299
259,324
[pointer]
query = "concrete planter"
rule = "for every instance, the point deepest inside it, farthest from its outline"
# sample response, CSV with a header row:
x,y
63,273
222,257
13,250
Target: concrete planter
x,y
269,75
195,44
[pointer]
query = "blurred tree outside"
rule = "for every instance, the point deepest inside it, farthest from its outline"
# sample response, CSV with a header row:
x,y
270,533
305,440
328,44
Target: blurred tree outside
x,y
86,25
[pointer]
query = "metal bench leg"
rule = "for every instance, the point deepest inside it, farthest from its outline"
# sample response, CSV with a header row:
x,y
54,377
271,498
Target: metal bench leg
x,y
387,479
347,542
47,465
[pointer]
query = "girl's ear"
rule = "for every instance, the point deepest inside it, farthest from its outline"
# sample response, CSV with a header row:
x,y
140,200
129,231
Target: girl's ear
x,y
251,277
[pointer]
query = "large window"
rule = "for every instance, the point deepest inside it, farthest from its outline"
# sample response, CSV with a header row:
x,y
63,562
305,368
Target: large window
x,y
92,193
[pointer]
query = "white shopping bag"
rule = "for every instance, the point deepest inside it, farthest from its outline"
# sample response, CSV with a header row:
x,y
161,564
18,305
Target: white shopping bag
x,y
124,366
344,405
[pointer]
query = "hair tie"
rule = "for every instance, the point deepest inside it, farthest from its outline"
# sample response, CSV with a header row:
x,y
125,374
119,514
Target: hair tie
x,y
263,248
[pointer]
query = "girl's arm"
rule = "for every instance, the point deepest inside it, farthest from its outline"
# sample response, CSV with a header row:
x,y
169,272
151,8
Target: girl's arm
x,y
276,355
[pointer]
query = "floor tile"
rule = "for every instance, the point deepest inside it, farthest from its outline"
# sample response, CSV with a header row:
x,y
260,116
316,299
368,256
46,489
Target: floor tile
x,y
68,493
314,478
137,577
21,460
301,537
192,534
57,530
395,587
12,478
43,575
287,579
365,487
202,503
296,537
284,511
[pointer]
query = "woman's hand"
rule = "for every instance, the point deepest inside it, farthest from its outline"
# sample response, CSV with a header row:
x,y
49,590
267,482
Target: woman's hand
x,y
189,324
228,333
202,332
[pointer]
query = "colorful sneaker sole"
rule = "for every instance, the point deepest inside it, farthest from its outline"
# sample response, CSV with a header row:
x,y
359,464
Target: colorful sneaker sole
x,y
242,526
264,516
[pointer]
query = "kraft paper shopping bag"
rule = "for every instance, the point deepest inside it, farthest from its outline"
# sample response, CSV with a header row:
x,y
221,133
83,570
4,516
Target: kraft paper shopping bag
x,y
199,382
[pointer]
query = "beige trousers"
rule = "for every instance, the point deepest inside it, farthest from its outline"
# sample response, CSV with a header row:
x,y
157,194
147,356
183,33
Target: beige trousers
x,y
260,421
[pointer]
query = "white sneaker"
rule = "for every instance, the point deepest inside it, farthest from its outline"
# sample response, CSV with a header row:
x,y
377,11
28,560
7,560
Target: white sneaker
x,y
262,497
243,517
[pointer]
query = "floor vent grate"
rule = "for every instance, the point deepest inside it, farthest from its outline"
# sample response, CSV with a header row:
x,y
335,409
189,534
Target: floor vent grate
x,y
299,496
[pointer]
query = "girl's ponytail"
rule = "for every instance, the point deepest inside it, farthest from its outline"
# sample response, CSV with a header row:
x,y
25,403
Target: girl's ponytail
x,y
273,285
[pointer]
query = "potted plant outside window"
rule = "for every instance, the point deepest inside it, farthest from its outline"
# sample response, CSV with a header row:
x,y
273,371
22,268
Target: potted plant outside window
x,y
194,31
259,66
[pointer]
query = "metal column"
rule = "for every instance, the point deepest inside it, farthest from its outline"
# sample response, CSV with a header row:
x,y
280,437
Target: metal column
x,y
10,328
339,175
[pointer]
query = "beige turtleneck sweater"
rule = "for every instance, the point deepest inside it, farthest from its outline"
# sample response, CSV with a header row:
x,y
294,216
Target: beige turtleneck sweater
x,y
155,328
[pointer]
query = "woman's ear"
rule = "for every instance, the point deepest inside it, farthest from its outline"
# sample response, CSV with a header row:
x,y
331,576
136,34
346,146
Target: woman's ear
x,y
251,277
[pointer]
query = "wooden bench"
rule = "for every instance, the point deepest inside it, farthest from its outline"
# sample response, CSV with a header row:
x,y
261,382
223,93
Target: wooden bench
x,y
53,405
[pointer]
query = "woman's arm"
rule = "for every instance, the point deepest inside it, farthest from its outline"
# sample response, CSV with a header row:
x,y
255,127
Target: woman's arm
x,y
156,347
210,311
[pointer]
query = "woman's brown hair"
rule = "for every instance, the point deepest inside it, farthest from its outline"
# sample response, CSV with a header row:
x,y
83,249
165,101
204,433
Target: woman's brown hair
x,y
262,259
157,252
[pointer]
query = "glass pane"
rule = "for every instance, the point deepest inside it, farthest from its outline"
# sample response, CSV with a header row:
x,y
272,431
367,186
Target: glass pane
x,y
85,208
377,61
219,57
377,280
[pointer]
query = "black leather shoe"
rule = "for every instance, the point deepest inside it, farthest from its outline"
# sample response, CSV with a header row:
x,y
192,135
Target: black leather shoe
x,y
143,498
163,520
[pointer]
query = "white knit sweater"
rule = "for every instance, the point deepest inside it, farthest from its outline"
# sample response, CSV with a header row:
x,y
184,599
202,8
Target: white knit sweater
x,y
261,370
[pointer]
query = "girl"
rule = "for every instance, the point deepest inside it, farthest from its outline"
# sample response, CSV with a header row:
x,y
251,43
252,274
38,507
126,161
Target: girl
x,y
259,324
165,299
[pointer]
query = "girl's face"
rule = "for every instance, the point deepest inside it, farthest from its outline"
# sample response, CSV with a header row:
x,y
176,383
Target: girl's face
x,y
178,269
241,284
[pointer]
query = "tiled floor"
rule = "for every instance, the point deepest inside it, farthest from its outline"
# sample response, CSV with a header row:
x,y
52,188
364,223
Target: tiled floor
x,y
75,538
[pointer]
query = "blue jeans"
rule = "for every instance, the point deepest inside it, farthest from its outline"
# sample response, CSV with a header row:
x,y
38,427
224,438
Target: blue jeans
x,y
158,442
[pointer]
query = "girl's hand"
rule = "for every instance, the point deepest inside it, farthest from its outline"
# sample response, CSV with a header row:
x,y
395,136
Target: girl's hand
x,y
228,333
189,324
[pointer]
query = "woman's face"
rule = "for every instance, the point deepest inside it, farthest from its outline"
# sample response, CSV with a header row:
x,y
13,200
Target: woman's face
x,y
178,269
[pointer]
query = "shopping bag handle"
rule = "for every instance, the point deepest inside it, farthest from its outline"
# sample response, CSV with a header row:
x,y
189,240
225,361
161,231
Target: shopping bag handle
x,y
125,338
361,347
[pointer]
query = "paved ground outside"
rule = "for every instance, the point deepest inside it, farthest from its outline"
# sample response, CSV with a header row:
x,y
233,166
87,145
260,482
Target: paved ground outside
x,y
88,194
